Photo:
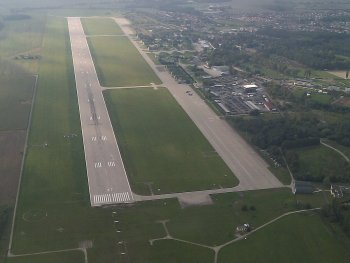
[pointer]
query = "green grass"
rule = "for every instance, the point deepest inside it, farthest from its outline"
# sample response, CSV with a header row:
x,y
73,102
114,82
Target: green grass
x,y
318,162
161,145
281,173
54,178
15,96
344,149
175,252
296,238
154,59
21,35
212,224
200,224
71,256
320,98
101,26
118,63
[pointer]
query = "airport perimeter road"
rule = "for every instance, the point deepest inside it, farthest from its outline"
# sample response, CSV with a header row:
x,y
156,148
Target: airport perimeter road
x,y
250,169
108,182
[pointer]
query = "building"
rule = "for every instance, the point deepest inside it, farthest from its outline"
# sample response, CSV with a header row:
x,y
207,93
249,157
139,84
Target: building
x,y
336,191
250,88
302,187
244,228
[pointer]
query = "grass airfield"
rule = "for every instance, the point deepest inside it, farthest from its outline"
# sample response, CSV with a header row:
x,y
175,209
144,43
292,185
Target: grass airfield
x,y
119,64
162,148
100,26
54,213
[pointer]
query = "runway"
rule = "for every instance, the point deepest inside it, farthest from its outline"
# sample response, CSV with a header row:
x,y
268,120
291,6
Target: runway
x,y
107,179
247,165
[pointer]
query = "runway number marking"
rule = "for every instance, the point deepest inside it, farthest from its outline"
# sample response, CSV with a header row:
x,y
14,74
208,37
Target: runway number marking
x,y
98,165
111,164
104,138
111,198
94,138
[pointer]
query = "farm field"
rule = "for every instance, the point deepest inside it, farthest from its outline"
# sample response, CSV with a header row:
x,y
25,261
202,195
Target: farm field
x,y
22,37
101,26
161,147
15,96
118,63
11,154
319,162
296,238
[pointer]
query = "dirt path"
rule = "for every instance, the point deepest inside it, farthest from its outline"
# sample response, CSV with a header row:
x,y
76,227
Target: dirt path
x,y
217,249
335,149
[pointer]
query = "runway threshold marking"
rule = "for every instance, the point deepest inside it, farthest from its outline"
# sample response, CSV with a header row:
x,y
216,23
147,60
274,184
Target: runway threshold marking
x,y
111,198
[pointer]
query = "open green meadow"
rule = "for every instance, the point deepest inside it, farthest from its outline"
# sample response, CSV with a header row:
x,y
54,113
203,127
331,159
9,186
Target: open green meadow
x,y
54,185
118,63
207,225
22,37
71,256
101,26
16,91
344,149
319,162
162,148
296,238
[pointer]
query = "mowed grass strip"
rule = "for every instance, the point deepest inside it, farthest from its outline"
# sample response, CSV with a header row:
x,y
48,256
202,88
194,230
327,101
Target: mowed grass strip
x,y
70,256
54,211
209,225
162,148
101,26
296,238
118,63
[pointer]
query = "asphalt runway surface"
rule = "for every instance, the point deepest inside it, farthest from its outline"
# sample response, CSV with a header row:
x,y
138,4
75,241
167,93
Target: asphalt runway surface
x,y
107,179
247,165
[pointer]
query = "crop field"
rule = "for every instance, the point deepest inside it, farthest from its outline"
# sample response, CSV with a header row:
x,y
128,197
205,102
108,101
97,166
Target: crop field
x,y
118,63
161,147
101,26
15,96
297,238
320,162
21,35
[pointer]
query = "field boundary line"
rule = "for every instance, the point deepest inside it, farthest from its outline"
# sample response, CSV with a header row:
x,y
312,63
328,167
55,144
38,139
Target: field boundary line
x,y
22,163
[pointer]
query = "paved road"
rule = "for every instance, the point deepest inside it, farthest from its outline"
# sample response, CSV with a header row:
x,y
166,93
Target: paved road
x,y
108,182
250,169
